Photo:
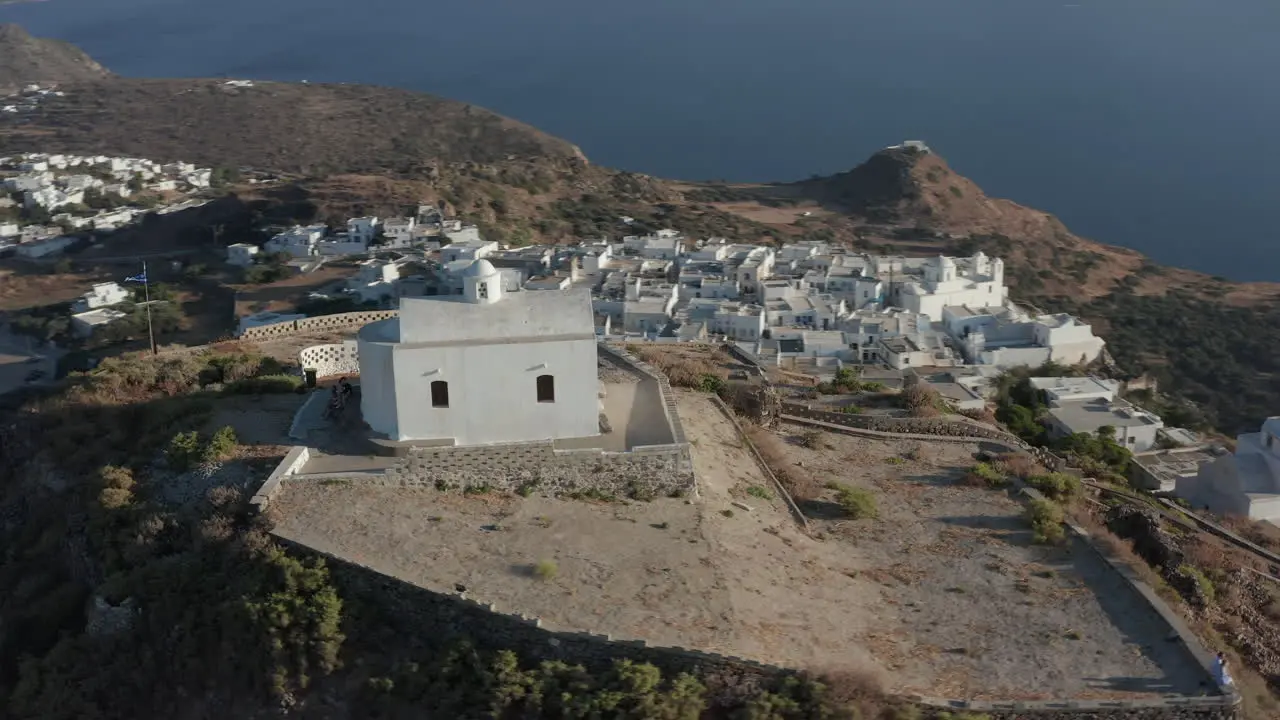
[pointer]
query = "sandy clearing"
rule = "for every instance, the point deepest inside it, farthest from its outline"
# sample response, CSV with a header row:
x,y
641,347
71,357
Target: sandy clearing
x,y
970,608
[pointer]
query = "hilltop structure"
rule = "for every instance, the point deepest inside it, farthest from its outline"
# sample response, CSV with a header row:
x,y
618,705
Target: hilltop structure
x,y
483,367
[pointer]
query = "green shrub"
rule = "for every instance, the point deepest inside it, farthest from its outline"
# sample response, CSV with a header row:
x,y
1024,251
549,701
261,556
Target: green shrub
x,y
758,492
221,446
1057,486
1206,585
986,474
264,384
712,384
857,502
184,451
545,569
1046,518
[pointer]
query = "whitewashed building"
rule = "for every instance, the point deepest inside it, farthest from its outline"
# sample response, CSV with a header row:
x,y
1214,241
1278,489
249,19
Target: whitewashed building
x,y
1246,483
85,324
242,254
102,295
943,284
298,241
484,367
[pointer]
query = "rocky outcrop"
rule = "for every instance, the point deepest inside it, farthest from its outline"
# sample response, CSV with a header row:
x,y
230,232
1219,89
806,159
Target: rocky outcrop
x,y
1160,549
25,60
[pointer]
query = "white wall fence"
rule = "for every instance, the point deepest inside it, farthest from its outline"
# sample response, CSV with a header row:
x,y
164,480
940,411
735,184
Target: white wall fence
x,y
330,360
321,323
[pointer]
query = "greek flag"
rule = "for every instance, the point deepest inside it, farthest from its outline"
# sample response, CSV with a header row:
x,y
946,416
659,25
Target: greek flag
x,y
140,277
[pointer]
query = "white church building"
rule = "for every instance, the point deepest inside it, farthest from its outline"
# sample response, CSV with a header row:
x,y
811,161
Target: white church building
x,y
1246,483
943,284
484,367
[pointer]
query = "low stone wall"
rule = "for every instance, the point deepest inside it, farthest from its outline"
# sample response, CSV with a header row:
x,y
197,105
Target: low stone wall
x,y
331,360
655,470
292,462
913,426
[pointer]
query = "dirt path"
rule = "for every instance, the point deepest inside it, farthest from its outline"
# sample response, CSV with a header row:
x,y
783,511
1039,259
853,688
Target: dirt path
x,y
796,601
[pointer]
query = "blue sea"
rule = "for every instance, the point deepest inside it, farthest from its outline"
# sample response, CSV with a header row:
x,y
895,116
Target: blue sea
x,y
1145,123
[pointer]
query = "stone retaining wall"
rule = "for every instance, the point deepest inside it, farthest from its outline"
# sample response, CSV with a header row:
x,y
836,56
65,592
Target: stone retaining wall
x,y
292,462
913,426
650,471
330,360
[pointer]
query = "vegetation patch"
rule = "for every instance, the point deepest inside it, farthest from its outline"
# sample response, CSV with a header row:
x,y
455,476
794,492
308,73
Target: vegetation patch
x,y
857,503
985,474
1046,518
1057,486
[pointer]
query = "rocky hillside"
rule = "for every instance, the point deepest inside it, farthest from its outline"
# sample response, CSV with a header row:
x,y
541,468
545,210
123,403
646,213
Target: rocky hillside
x,y
25,59
308,129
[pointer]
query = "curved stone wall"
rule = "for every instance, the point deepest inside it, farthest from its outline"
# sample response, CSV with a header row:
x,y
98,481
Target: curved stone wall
x,y
330,360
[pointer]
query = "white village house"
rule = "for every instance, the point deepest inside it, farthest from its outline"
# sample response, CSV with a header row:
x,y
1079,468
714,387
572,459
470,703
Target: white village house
x,y
102,295
484,367
1246,483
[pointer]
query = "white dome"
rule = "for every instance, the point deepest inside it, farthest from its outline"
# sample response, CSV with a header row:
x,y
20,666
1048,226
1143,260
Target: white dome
x,y
945,262
479,269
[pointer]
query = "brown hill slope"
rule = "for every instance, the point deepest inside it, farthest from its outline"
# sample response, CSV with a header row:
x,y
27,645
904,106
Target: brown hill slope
x,y
283,127
25,59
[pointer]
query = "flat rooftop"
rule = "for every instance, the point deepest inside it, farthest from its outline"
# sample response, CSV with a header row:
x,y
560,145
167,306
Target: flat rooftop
x,y
1089,415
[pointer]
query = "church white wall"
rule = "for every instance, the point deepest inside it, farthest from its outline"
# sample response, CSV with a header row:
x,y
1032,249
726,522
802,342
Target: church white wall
x,y
377,387
493,392
1073,353
1015,357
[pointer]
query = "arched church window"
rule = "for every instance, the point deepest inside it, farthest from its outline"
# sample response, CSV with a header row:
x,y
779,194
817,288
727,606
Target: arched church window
x,y
546,389
439,394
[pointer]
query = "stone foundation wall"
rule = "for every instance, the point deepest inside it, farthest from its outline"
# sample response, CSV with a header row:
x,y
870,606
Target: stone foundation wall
x,y
656,470
913,426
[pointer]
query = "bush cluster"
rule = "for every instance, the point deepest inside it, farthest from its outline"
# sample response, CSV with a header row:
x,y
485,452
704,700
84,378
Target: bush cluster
x,y
986,474
1057,486
188,449
857,503
1046,518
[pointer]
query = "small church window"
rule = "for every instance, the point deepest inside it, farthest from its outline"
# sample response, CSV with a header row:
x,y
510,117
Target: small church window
x,y
546,389
439,394
483,290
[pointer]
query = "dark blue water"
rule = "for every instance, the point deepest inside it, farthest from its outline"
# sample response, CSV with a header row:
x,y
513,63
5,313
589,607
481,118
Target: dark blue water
x,y
1146,123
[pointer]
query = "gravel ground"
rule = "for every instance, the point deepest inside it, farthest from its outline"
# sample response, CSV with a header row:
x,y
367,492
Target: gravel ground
x,y
941,595
969,606
703,573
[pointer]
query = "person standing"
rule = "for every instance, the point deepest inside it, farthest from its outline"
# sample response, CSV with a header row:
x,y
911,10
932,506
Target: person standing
x,y
1220,672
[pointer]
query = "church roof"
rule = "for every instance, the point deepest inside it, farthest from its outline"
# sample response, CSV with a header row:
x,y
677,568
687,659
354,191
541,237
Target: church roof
x,y
480,268
540,314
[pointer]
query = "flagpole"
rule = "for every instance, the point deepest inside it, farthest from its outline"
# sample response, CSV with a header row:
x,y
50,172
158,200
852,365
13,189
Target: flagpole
x,y
146,290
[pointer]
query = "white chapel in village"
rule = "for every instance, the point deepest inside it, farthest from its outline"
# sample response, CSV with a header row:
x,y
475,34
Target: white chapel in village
x,y
484,367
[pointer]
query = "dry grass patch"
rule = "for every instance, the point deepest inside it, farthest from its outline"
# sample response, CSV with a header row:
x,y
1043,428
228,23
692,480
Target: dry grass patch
x,y
684,367
797,481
